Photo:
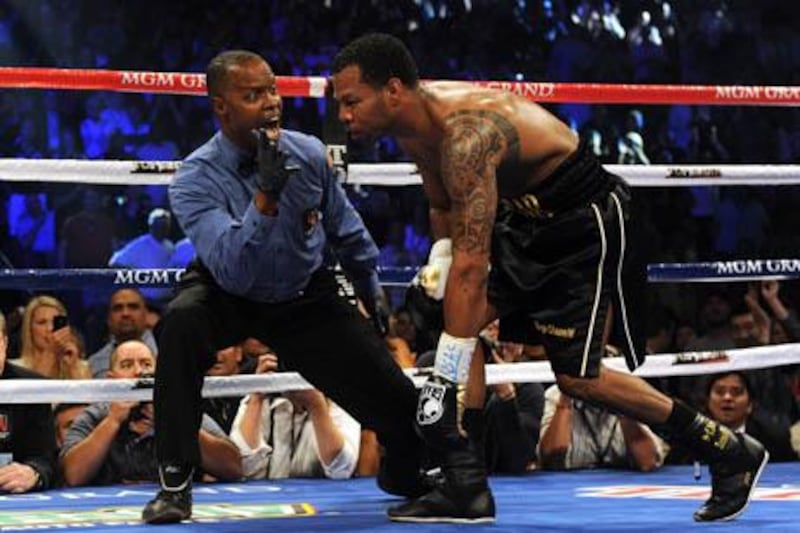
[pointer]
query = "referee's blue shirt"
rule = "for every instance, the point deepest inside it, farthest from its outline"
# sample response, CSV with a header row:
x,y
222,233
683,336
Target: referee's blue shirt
x,y
263,258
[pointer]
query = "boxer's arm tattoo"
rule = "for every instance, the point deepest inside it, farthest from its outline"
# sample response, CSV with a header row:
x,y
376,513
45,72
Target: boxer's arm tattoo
x,y
476,143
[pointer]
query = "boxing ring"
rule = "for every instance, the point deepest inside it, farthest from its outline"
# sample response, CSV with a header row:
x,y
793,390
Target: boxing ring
x,y
592,500
599,500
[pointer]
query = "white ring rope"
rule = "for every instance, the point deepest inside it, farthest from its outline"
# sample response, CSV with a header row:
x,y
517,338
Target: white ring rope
x,y
635,175
662,365
388,174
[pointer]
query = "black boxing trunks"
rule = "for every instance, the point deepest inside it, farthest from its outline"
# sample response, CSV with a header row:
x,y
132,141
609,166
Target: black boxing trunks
x,y
560,254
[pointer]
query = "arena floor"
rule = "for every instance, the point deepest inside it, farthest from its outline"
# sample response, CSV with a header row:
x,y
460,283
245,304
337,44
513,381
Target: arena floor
x,y
602,500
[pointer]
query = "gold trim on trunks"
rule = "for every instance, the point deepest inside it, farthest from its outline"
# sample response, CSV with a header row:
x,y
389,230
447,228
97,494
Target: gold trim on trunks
x,y
527,205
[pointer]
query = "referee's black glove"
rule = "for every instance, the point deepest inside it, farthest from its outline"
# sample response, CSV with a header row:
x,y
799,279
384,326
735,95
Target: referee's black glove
x,y
378,309
273,171
379,315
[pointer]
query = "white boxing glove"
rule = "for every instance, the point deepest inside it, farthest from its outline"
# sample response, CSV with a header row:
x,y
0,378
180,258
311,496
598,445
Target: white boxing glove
x,y
433,276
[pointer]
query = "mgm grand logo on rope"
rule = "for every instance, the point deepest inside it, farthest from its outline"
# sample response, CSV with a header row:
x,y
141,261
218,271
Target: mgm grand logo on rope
x,y
148,276
164,79
758,266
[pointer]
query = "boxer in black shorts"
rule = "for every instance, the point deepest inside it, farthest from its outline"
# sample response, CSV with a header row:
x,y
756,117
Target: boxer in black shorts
x,y
508,185
559,257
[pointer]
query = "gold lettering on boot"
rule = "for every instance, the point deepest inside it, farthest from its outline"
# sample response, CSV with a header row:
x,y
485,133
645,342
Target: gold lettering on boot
x,y
715,434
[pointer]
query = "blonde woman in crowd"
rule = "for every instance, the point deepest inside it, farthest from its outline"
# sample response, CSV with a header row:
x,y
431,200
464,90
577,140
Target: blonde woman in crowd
x,y
48,345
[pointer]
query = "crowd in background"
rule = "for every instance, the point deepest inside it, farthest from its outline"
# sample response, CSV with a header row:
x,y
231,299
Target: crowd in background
x,y
745,42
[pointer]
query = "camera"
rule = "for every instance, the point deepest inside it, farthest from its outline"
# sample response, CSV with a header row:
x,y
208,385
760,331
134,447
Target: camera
x,y
136,412
59,322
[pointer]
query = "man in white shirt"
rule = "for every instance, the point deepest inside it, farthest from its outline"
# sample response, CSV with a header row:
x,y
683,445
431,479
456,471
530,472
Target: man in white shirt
x,y
576,434
297,434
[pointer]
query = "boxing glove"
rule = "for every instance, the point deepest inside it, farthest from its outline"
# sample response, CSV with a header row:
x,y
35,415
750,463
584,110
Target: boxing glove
x,y
433,276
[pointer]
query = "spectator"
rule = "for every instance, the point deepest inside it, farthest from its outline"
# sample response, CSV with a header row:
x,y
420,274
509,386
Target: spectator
x,y
512,417
298,434
223,410
35,231
253,348
402,325
685,335
64,415
87,238
661,329
114,442
394,253
71,353
715,323
27,444
751,326
576,434
716,319
151,250
730,400
741,223
54,352
183,254
705,145
597,144
158,146
127,320
631,149
96,132
785,318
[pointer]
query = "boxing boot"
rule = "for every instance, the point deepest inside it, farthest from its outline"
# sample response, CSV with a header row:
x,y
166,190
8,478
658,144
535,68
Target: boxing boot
x,y
464,495
735,462
400,474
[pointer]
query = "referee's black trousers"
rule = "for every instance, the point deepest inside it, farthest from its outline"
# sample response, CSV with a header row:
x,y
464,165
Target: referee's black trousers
x,y
319,334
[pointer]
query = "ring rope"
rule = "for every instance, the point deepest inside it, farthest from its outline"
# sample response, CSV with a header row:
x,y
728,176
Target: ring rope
x,y
314,87
116,278
635,175
661,365
388,174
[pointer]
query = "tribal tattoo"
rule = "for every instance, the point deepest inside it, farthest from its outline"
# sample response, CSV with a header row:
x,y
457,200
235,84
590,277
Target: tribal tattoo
x,y
477,143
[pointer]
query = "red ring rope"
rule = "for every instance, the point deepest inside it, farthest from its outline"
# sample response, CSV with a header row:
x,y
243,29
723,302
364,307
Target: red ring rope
x,y
314,87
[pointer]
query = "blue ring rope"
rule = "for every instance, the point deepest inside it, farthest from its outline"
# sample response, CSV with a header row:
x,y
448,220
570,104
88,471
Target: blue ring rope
x,y
81,278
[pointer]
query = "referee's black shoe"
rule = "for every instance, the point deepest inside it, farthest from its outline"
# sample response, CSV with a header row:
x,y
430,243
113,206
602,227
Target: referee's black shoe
x,y
173,503
169,507
733,480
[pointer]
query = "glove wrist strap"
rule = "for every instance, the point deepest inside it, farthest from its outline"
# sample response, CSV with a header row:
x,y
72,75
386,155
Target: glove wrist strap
x,y
453,357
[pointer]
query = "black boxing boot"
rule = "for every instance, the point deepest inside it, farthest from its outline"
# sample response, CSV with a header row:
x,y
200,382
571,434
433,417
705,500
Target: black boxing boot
x,y
464,495
401,474
735,461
